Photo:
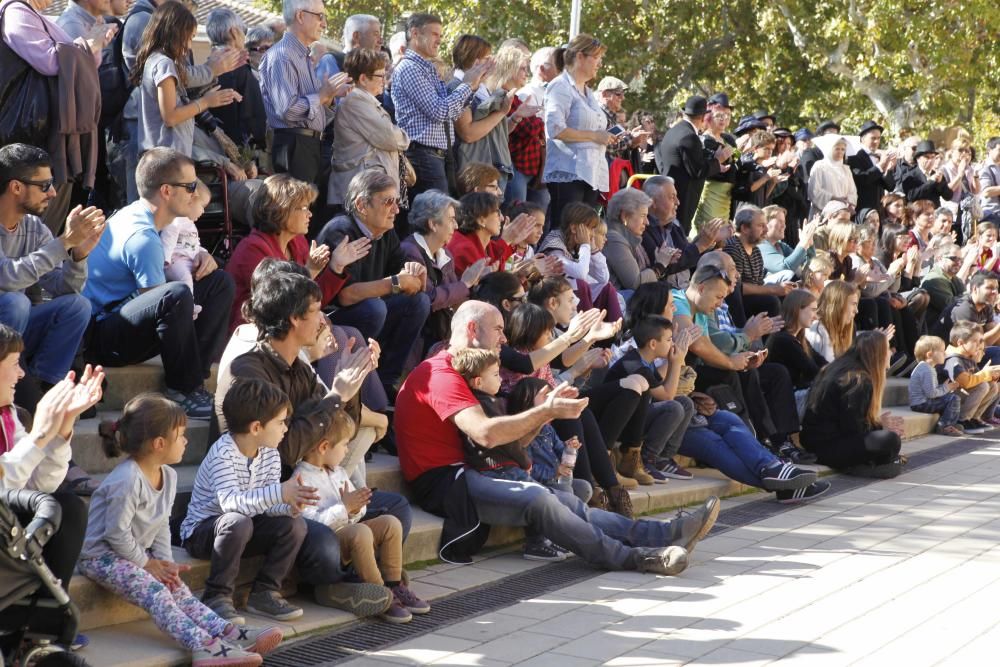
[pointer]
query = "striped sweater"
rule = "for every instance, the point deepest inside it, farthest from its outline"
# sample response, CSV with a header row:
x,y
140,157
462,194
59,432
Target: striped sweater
x,y
227,481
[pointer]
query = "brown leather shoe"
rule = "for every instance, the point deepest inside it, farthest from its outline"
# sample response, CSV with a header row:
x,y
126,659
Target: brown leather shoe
x,y
631,466
619,502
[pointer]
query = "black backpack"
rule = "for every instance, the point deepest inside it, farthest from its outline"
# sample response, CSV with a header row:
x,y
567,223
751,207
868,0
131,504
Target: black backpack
x,y
113,75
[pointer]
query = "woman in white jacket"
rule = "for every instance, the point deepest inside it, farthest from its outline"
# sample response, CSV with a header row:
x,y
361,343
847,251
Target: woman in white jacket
x,y
38,459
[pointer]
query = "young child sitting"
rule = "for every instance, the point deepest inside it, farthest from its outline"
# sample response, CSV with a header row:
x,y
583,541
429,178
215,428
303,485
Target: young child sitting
x,y
930,396
962,365
181,244
373,546
552,460
481,371
239,506
127,548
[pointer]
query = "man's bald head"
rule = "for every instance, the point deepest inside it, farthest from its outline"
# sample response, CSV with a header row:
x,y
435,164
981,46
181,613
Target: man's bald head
x,y
477,324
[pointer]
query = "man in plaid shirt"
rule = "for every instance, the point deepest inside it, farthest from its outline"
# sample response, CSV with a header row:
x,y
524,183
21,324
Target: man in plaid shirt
x,y
425,109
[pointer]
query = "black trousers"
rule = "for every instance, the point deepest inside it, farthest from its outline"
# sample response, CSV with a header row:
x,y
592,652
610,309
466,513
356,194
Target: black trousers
x,y
566,193
766,392
161,321
301,156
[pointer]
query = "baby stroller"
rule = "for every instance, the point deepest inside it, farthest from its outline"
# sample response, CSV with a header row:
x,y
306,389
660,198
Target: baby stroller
x,y
32,626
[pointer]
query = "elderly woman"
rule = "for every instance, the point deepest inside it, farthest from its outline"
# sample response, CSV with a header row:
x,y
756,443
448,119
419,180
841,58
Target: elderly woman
x,y
243,121
280,216
258,40
830,177
364,135
628,262
432,219
576,136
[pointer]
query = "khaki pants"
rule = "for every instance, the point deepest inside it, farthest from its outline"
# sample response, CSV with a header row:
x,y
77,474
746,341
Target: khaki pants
x,y
374,547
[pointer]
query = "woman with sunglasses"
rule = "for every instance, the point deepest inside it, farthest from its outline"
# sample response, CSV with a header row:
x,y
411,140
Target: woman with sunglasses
x,y
364,135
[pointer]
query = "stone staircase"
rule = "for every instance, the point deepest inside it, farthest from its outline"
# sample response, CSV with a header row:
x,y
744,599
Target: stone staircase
x,y
109,619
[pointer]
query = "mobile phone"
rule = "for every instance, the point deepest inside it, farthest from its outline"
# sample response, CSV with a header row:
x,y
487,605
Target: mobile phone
x,y
616,130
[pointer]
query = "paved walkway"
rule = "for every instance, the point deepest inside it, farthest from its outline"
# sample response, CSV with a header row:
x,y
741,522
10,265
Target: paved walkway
x,y
899,572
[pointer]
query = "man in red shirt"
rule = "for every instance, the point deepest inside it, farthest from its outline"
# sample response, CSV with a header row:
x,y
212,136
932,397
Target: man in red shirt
x,y
435,403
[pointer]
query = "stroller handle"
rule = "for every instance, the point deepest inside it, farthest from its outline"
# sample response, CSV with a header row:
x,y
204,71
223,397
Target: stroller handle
x,y
44,509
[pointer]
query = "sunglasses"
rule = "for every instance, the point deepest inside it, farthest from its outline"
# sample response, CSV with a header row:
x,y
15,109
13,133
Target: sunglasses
x,y
44,186
189,187
711,273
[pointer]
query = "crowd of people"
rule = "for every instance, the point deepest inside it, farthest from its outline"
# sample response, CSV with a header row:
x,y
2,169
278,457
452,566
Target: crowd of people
x,y
442,260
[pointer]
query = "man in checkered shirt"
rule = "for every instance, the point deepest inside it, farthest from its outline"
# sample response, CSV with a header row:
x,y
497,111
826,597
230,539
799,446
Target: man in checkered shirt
x,y
425,109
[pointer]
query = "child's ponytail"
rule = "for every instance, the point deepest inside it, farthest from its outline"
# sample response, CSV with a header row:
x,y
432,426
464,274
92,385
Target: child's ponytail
x,y
145,418
108,430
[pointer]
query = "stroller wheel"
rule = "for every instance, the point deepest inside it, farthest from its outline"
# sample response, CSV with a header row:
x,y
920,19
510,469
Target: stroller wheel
x,y
48,655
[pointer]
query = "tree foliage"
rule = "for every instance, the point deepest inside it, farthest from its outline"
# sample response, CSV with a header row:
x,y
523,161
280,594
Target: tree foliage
x,y
919,63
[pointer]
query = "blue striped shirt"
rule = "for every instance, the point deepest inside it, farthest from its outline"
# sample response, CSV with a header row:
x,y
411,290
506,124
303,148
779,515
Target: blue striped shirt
x,y
227,481
290,87
423,104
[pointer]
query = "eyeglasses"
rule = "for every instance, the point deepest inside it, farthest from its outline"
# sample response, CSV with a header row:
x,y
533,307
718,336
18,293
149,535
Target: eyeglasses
x,y
44,186
954,258
389,202
319,15
706,273
259,49
376,76
189,187
519,298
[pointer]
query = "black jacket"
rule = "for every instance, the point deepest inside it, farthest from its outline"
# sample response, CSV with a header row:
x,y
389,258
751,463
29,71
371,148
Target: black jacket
x,y
869,180
682,157
917,187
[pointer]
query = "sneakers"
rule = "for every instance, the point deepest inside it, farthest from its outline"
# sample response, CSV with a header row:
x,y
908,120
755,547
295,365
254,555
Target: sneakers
x,y
785,477
898,362
619,502
667,560
671,470
223,654
631,466
358,599
804,494
993,421
953,430
542,549
254,640
272,605
409,600
689,527
698,421
793,454
971,427
652,471
223,606
396,613
198,404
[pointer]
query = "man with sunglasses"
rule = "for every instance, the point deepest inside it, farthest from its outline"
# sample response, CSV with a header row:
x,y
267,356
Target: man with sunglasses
x,y
31,258
384,296
137,313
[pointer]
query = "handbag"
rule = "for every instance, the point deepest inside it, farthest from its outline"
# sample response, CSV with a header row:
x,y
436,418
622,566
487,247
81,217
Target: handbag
x,y
26,96
406,171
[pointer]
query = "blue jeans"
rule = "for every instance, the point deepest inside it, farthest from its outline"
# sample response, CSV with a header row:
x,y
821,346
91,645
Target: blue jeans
x,y
517,190
727,445
948,406
131,159
52,331
395,321
603,539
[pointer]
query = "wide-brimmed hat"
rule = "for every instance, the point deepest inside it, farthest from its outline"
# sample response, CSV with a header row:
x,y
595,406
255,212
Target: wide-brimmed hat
x,y
696,105
803,134
720,100
747,124
925,147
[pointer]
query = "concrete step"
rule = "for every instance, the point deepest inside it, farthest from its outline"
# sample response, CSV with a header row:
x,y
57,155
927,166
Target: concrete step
x,y
128,381
89,455
896,392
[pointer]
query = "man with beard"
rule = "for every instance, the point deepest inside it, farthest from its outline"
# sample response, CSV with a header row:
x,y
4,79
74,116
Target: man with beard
x,y
751,227
31,258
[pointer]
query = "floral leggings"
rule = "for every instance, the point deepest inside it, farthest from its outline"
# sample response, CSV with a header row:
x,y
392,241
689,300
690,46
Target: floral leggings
x,y
178,612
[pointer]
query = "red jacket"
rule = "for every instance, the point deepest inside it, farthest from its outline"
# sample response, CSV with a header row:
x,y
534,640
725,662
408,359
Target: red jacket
x,y
466,250
254,248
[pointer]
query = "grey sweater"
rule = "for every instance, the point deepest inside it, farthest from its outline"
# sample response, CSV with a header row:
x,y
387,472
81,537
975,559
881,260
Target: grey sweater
x,y
924,384
129,518
30,255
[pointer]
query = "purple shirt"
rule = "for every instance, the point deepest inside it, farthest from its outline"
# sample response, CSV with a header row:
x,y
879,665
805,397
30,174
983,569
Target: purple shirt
x,y
24,31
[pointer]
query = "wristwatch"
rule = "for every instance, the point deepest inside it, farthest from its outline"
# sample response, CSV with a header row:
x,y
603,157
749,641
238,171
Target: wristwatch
x,y
395,284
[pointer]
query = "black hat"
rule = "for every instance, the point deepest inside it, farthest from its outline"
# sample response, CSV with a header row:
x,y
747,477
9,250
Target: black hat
x,y
868,126
827,125
803,134
719,99
925,147
781,132
762,114
696,105
748,123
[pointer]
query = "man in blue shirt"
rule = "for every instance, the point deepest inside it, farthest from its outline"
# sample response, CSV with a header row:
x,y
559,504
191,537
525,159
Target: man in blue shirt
x,y
137,313
425,109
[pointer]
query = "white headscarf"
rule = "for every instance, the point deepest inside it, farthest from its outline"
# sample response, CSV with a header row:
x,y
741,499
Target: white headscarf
x,y
831,179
